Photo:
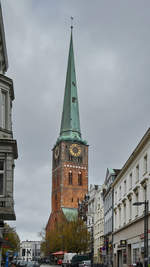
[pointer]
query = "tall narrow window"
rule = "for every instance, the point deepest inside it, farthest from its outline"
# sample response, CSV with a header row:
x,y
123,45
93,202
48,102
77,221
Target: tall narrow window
x,y
145,192
120,217
137,207
130,209
130,178
115,197
120,192
70,178
124,213
115,219
1,177
79,178
137,172
125,187
4,110
145,163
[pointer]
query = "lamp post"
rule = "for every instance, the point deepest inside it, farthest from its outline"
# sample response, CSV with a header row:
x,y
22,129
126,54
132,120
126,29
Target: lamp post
x,y
145,203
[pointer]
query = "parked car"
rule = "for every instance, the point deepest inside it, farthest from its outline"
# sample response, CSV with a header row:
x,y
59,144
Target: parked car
x,y
78,259
85,263
59,262
33,264
67,259
21,263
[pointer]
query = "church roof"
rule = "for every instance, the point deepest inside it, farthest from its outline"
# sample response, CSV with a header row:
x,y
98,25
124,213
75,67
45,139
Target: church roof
x,y
70,213
70,122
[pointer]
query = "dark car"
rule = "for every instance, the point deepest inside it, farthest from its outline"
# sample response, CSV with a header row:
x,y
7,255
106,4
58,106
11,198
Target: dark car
x,y
78,259
21,263
33,264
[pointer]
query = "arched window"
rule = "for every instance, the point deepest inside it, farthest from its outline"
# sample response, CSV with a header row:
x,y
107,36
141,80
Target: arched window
x,y
79,178
70,178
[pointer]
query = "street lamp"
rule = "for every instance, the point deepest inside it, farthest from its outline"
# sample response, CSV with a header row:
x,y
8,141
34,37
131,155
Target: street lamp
x,y
145,203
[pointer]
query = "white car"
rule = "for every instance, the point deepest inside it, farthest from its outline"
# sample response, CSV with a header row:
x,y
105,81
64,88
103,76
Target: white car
x,y
67,259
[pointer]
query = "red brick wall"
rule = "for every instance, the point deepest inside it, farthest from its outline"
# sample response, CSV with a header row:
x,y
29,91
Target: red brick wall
x,y
64,194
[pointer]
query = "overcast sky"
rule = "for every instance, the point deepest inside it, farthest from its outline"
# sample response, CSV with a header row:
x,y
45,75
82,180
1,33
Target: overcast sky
x,y
112,58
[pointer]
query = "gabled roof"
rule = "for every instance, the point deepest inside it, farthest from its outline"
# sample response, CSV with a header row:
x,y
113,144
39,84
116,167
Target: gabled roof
x,y
70,213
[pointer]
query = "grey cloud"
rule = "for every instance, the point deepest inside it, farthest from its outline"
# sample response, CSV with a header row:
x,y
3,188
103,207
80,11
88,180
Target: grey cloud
x,y
111,44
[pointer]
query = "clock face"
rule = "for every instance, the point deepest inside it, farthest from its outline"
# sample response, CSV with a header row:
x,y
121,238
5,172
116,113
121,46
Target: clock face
x,y
75,150
56,153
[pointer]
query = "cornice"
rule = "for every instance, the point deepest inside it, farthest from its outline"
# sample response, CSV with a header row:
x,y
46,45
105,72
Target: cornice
x,y
13,143
9,82
133,156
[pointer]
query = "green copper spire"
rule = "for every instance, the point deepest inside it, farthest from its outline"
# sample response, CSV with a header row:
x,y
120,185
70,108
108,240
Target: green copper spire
x,y
70,122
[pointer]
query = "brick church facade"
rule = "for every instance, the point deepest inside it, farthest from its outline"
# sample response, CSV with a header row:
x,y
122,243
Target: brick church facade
x,y
70,155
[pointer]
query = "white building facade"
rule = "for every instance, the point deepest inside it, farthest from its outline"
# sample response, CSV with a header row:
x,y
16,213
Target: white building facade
x,y
108,201
98,231
132,185
90,214
30,250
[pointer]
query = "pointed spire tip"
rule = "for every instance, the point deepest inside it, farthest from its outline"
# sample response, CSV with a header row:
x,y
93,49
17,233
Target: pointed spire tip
x,y
71,23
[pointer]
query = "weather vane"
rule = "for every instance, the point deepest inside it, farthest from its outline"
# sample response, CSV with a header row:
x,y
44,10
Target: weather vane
x,y
71,22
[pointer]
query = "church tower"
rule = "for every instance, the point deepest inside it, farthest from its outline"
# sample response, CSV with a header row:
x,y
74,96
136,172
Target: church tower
x,y
70,154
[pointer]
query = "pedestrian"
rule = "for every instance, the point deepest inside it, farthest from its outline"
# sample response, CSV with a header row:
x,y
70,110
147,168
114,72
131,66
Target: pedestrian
x,y
139,263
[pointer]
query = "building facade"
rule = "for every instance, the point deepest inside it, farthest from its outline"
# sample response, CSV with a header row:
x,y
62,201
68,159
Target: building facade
x,y
98,226
70,155
30,250
108,215
132,185
8,146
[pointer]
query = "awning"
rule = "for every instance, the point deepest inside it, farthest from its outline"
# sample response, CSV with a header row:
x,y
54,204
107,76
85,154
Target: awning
x,y
59,253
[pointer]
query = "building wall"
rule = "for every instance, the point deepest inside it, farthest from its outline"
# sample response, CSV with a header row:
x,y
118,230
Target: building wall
x,y
8,146
134,238
133,185
63,193
98,225
30,250
126,193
